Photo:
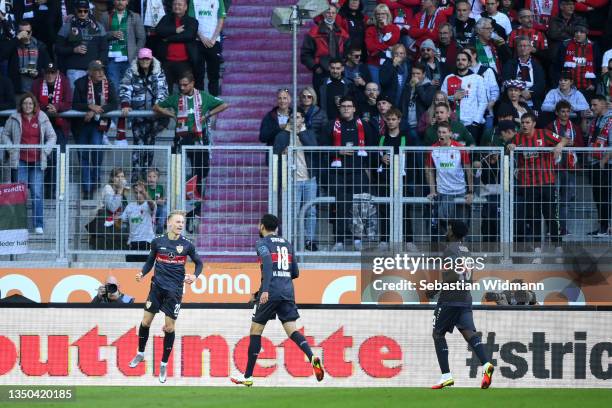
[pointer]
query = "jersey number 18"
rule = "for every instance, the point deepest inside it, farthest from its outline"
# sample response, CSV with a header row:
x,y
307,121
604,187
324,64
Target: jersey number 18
x,y
283,258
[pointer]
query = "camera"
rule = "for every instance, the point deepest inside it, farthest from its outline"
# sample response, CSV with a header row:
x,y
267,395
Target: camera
x,y
109,289
512,297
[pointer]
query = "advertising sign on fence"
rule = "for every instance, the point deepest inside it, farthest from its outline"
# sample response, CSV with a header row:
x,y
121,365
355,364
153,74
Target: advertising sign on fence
x,y
13,219
359,348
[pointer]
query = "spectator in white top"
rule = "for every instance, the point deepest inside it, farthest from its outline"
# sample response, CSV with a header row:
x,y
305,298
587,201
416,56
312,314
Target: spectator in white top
x,y
467,90
500,19
566,91
491,85
447,170
211,16
139,214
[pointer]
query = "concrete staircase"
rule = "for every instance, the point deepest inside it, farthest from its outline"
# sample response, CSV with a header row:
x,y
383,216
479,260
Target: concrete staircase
x,y
257,63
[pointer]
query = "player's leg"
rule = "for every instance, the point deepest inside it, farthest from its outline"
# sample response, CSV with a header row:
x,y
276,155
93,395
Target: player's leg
x,y
299,339
171,307
263,313
468,331
152,306
444,321
253,351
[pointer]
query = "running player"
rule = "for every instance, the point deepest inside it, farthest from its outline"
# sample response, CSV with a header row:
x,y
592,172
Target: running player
x,y
169,254
275,297
454,309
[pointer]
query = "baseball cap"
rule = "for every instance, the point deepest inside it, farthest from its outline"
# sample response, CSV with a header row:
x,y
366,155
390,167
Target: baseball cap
x,y
81,4
95,64
51,67
429,44
145,53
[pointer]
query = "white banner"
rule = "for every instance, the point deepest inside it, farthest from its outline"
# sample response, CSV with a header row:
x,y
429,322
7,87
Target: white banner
x,y
360,348
14,241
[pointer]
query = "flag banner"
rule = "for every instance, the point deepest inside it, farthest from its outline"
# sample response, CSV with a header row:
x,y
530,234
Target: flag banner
x,y
13,219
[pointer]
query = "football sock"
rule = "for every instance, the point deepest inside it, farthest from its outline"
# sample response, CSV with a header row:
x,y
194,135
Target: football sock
x,y
143,336
254,348
302,343
168,343
478,348
442,353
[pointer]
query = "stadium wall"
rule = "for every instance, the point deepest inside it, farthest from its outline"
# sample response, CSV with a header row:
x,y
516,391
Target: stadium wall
x,y
234,283
360,348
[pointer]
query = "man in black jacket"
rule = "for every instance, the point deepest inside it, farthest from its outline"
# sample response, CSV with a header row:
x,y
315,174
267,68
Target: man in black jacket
x,y
40,15
95,95
528,70
178,50
27,57
80,41
417,96
334,88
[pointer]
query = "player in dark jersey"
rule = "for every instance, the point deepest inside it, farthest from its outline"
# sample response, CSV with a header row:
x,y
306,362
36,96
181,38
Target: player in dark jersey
x,y
275,297
169,254
454,309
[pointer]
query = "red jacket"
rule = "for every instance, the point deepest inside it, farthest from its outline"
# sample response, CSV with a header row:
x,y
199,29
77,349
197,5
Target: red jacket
x,y
426,29
315,48
375,46
64,104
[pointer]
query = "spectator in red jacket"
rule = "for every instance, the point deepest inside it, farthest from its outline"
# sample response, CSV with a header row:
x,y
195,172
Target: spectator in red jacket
x,y
527,29
426,22
323,42
379,39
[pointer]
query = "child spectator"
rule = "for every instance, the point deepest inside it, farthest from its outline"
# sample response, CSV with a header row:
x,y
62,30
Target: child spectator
x,y
157,193
139,215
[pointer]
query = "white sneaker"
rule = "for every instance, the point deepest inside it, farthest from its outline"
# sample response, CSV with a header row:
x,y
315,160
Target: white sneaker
x,y
358,245
446,380
338,246
240,380
162,373
39,230
137,359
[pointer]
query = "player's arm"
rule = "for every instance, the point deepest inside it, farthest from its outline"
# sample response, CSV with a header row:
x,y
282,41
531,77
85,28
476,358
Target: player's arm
x,y
266,270
146,268
193,254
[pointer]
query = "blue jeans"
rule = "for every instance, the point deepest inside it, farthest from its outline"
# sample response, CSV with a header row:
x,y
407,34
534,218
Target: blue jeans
x,y
161,213
32,175
90,159
306,191
374,73
115,71
566,194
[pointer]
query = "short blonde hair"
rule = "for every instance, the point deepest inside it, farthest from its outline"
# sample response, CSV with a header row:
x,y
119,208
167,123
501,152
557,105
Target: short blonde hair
x,y
311,90
177,212
385,9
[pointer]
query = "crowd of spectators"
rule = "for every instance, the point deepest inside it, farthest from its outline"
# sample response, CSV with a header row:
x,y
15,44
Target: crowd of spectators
x,y
457,73
99,56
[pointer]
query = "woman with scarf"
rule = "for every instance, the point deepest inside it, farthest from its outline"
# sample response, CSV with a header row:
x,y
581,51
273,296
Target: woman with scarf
x,y
379,39
143,85
426,22
30,126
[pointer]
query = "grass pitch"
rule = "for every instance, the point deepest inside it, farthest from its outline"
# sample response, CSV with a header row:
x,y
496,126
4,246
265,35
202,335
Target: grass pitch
x,y
242,397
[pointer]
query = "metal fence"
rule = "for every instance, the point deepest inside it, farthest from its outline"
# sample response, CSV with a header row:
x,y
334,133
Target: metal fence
x,y
101,183
39,169
226,191
558,201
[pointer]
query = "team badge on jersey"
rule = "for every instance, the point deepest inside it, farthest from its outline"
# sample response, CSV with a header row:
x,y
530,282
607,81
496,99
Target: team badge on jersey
x,y
148,304
179,249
